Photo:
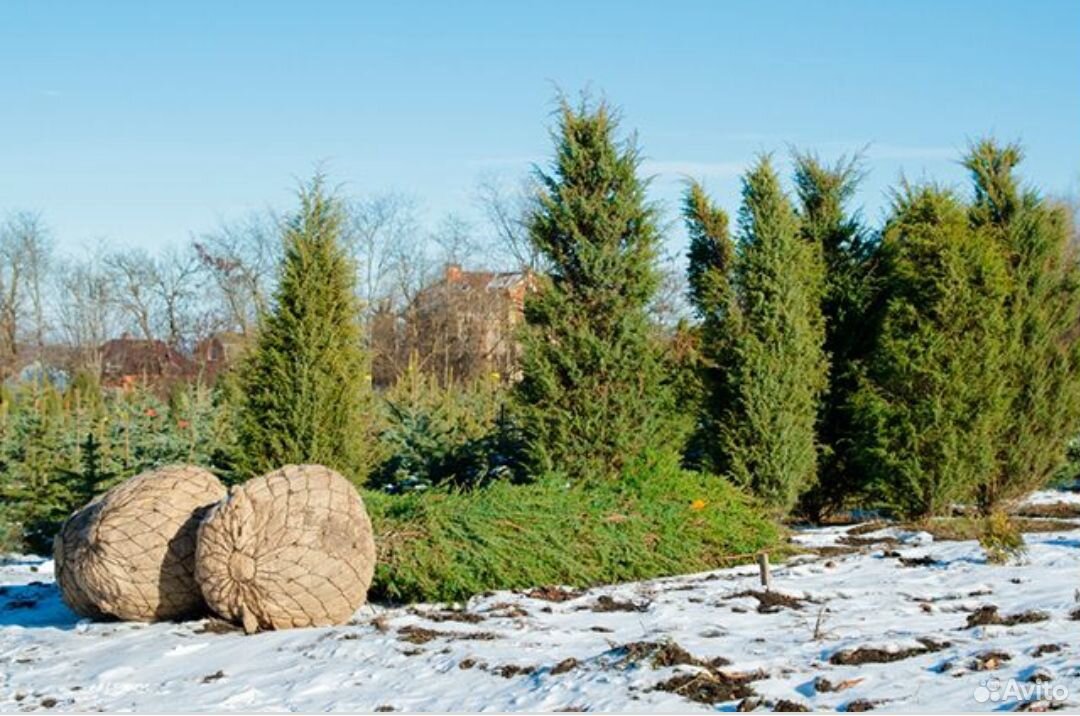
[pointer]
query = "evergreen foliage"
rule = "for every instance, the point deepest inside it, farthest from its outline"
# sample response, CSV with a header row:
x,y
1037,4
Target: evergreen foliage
x,y
1042,312
932,402
655,520
824,193
594,393
305,388
446,434
60,448
760,300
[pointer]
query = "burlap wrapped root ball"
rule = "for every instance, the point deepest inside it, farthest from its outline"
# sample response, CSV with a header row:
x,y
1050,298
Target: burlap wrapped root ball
x,y
293,548
130,553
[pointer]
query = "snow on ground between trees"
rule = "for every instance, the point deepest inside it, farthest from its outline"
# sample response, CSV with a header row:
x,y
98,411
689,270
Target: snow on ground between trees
x,y
903,624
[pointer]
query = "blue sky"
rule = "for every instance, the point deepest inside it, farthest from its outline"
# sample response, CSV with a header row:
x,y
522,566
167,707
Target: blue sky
x,y
143,123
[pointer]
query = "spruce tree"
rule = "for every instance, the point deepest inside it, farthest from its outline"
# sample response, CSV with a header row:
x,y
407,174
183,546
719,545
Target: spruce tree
x,y
1042,367
760,301
305,394
593,396
824,193
932,401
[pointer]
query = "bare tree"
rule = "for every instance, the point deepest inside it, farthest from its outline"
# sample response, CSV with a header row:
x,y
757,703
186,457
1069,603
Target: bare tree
x,y
86,308
508,212
381,230
455,241
240,260
25,257
176,284
133,274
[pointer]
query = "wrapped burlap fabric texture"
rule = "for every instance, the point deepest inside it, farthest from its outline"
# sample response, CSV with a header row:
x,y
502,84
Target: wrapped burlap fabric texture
x,y
293,548
130,553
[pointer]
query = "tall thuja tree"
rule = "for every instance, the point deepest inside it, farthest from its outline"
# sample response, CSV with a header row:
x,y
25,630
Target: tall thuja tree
x,y
824,193
932,401
763,335
594,397
1042,312
304,388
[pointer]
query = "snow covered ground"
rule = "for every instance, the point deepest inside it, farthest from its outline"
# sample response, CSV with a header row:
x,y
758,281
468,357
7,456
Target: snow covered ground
x,y
874,620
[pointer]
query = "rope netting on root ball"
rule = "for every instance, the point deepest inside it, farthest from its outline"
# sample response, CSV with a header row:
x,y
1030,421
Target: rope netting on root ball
x,y
130,553
293,548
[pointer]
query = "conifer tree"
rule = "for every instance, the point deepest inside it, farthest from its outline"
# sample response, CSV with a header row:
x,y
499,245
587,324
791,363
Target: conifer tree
x,y
824,193
932,402
593,396
760,301
305,389
1042,311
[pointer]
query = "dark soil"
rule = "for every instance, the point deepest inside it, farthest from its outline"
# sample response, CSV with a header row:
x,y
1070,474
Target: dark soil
x,y
564,666
860,705
1045,649
706,687
214,625
608,604
989,660
420,635
768,601
924,561
1058,510
663,654
511,670
872,655
786,706
553,594
988,615
449,615
216,676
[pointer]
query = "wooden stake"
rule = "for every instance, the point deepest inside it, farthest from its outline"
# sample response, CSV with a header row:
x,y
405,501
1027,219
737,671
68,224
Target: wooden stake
x,y
763,565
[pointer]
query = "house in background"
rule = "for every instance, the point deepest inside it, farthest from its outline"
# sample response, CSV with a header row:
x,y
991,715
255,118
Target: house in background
x,y
458,328
125,360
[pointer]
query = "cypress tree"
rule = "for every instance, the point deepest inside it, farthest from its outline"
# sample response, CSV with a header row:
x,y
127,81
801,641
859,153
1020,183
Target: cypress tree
x,y
932,401
760,301
594,396
304,387
1042,311
823,195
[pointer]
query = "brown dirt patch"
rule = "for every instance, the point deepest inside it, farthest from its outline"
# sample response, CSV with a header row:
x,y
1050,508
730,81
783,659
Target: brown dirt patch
x,y
609,604
988,615
769,601
553,594
874,655
419,635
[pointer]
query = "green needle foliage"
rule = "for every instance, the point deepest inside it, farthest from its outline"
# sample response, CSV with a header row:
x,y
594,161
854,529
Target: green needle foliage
x,y
594,393
760,300
305,393
824,193
932,403
1042,310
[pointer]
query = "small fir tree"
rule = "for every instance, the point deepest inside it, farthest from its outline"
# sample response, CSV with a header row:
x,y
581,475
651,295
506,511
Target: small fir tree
x,y
760,301
932,401
305,392
1042,364
824,193
594,395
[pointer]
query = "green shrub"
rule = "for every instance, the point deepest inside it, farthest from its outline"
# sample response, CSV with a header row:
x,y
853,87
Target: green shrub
x,y
1000,538
447,545
454,434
